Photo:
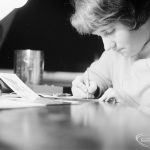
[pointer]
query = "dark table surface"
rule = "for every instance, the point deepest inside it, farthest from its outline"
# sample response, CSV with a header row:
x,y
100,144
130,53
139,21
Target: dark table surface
x,y
88,126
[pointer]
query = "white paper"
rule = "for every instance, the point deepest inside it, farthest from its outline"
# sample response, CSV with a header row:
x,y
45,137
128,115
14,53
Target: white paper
x,y
12,101
67,97
18,86
23,96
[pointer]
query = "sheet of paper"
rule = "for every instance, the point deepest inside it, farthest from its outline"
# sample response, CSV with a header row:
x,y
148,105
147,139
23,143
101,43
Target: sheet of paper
x,y
8,101
52,100
64,97
23,96
18,86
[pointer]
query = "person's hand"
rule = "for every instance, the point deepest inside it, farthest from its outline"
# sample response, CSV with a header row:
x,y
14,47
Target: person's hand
x,y
81,89
110,96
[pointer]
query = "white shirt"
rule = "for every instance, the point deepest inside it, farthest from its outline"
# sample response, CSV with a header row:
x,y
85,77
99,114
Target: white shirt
x,y
127,76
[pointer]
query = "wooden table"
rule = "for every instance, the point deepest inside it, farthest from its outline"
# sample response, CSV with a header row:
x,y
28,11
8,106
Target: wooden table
x,y
89,126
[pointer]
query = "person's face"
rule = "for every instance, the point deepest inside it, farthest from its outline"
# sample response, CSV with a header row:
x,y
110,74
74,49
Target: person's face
x,y
121,39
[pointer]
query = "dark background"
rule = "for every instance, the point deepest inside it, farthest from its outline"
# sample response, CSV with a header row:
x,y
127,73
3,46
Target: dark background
x,y
44,25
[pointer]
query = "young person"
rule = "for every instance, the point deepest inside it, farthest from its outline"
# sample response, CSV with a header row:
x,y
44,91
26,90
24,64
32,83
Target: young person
x,y
124,67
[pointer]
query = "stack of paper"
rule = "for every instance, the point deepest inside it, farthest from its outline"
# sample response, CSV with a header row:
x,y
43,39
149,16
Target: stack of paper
x,y
23,96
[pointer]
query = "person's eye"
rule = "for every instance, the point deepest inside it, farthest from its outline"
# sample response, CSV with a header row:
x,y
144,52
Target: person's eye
x,y
109,32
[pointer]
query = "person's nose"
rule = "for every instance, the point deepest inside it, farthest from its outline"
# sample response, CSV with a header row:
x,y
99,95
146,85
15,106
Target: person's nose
x,y
109,44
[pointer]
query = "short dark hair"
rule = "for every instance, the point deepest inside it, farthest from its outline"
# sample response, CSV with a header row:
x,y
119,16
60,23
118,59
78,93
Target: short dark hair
x,y
89,15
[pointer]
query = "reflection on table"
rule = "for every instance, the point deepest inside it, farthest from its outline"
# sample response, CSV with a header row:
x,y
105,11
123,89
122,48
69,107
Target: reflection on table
x,y
89,126
118,127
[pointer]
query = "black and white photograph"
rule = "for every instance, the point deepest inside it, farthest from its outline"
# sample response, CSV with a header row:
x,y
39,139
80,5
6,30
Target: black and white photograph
x,y
74,75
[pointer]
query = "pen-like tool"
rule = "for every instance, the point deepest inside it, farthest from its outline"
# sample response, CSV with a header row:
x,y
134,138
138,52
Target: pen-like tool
x,y
87,83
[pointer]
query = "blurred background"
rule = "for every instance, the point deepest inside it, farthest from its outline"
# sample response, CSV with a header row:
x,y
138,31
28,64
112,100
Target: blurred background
x,y
45,25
